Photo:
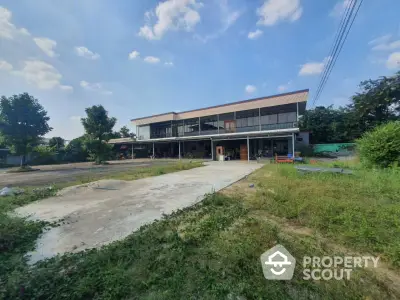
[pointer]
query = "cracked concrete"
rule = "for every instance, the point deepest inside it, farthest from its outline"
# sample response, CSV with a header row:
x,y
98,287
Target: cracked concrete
x,y
104,211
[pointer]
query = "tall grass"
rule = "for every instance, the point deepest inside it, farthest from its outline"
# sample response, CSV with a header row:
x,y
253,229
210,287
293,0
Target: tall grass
x,y
209,251
360,210
18,235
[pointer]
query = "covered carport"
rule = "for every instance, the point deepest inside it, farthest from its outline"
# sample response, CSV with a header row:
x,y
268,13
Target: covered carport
x,y
251,145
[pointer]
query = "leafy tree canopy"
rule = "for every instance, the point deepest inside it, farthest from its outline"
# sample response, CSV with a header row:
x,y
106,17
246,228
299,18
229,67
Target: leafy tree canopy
x,y
98,125
56,142
23,121
125,133
99,129
377,102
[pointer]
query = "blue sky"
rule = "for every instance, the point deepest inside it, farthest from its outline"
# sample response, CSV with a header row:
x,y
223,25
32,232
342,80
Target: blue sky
x,y
145,57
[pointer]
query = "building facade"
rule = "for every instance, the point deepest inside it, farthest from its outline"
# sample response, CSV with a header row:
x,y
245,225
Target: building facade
x,y
246,129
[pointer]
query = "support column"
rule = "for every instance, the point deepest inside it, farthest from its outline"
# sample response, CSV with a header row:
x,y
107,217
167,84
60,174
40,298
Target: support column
x,y
179,143
132,152
218,123
248,149
199,127
293,144
259,119
153,152
272,147
212,150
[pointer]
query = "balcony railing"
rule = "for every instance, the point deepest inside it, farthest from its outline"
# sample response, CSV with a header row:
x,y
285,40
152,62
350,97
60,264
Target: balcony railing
x,y
279,126
264,127
160,135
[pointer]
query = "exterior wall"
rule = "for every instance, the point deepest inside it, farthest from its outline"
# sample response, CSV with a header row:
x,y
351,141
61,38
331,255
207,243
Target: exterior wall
x,y
144,132
280,117
289,98
15,160
303,138
155,119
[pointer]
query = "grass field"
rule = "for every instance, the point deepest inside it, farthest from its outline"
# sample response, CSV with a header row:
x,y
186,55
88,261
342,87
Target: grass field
x,y
17,235
212,250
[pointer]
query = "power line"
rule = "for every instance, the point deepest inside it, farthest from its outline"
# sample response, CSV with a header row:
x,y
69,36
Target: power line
x,y
341,37
335,47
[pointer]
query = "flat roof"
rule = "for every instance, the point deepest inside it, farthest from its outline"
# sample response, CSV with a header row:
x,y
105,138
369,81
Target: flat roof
x,y
274,100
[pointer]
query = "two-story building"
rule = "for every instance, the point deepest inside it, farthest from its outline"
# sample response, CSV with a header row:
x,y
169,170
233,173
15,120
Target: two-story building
x,y
240,130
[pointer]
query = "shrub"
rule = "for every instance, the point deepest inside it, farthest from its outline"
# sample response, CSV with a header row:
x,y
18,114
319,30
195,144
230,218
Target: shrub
x,y
381,146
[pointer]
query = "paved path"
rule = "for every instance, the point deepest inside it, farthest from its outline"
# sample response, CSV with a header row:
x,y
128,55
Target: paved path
x,y
109,210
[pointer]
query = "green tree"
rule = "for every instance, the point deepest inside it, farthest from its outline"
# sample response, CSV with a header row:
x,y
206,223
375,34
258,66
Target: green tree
x,y
378,102
23,122
76,150
56,142
125,133
98,127
328,125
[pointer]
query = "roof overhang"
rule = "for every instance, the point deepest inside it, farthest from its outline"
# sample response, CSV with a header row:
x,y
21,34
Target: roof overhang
x,y
299,97
264,133
121,141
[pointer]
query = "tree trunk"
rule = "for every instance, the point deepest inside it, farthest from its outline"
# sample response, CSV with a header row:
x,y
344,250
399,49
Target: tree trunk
x,y
22,160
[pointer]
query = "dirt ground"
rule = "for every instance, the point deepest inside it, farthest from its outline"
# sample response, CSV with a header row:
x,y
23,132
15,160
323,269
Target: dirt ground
x,y
107,210
51,174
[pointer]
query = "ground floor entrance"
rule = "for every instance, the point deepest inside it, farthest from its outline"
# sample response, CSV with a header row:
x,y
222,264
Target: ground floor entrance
x,y
214,148
253,148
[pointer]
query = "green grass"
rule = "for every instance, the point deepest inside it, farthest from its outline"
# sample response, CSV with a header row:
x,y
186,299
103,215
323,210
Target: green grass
x,y
211,250
18,235
360,210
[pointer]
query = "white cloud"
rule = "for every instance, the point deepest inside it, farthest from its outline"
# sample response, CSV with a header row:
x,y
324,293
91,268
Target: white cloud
x,y
393,61
94,87
284,87
340,7
383,43
274,11
7,29
42,75
313,68
228,18
133,55
254,34
46,45
66,88
171,15
169,64
147,33
85,52
379,40
5,66
152,60
250,89
24,31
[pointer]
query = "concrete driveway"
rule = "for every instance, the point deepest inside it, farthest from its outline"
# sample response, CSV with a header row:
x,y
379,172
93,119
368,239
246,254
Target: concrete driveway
x,y
108,210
